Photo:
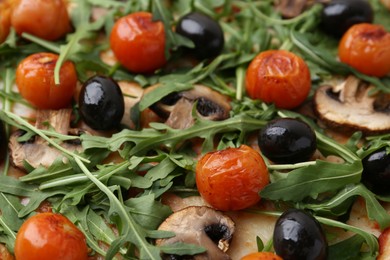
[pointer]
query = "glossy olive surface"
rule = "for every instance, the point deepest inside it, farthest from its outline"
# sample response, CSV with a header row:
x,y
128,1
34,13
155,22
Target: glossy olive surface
x,y
299,236
339,15
287,140
101,103
204,32
376,171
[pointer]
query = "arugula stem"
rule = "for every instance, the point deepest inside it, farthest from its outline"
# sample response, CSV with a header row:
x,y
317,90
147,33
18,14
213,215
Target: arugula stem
x,y
8,82
7,229
46,44
240,75
129,224
290,166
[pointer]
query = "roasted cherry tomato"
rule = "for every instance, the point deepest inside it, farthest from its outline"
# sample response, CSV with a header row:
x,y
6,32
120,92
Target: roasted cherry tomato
x,y
204,32
262,256
138,42
366,47
35,81
48,236
46,19
279,77
339,15
231,179
5,19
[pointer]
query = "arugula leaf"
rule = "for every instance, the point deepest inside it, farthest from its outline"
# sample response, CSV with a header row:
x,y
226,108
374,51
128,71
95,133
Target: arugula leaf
x,y
348,249
313,180
375,210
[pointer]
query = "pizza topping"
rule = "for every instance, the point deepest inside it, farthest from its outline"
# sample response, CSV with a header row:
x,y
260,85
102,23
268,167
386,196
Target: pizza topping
x,y
366,47
177,107
101,103
352,106
46,19
201,226
287,140
298,235
50,236
376,171
138,42
36,151
279,77
35,81
339,15
231,179
204,32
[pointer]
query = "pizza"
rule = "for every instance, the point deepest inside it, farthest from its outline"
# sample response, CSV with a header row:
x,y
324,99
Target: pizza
x,y
194,129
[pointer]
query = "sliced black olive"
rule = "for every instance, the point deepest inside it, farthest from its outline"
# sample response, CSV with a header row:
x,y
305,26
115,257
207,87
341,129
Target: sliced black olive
x,y
204,32
287,140
206,107
339,15
299,236
101,103
376,171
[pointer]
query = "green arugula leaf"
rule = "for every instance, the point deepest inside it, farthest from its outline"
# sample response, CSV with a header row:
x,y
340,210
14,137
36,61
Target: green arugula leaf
x,y
313,180
375,210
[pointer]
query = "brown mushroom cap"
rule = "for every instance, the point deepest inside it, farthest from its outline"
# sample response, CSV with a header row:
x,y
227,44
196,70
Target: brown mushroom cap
x,y
352,106
37,151
293,8
203,226
177,107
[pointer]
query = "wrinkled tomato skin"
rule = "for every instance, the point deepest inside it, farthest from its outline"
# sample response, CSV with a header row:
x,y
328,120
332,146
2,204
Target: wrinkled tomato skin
x,y
366,47
231,179
279,77
138,42
48,236
261,256
35,81
46,19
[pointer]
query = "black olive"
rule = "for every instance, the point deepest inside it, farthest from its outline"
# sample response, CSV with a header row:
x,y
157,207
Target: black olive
x,y
101,103
287,140
204,32
299,236
339,15
376,171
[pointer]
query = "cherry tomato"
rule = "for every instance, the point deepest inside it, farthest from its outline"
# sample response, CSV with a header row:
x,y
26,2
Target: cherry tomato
x,y
231,179
279,77
48,236
35,81
138,42
46,19
5,19
366,47
262,256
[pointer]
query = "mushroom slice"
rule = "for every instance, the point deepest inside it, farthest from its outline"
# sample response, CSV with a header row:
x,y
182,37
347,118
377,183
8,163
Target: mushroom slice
x,y
293,8
37,151
177,107
352,106
202,226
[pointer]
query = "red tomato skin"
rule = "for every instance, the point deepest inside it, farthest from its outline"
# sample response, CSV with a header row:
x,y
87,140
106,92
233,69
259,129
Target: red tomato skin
x,y
232,178
366,47
261,256
138,42
5,19
35,81
46,19
279,77
48,236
